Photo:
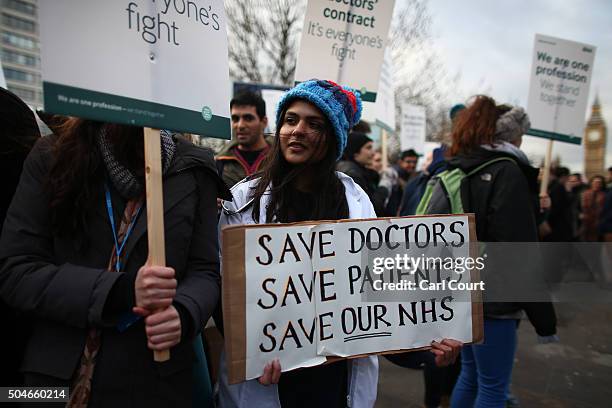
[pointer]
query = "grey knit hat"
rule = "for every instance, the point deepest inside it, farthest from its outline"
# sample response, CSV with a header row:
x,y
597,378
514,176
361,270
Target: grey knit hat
x,y
512,125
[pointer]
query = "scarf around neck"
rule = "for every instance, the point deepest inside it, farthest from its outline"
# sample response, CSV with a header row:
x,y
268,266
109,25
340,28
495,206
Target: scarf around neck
x,y
123,179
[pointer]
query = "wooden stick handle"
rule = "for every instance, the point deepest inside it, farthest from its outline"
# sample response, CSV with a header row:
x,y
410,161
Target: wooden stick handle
x,y
155,209
546,169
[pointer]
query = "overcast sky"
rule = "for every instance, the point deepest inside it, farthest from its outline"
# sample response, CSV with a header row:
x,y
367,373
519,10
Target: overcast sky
x,y
491,44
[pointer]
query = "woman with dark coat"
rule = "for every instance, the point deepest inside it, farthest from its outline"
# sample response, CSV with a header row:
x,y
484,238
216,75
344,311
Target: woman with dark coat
x,y
503,196
19,131
73,253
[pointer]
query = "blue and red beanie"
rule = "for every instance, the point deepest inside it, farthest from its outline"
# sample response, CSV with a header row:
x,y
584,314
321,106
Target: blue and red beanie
x,y
342,106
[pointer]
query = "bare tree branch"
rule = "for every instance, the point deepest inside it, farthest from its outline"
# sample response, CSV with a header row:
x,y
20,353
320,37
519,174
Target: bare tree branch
x,y
420,75
263,39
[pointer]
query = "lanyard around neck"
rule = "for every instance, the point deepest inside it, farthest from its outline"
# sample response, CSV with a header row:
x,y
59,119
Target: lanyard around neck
x,y
111,218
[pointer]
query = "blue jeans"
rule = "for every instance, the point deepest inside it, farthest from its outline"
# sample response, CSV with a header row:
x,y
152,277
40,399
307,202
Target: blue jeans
x,y
486,368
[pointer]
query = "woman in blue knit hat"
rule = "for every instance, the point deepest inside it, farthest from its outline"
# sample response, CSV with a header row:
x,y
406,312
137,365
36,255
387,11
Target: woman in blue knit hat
x,y
299,183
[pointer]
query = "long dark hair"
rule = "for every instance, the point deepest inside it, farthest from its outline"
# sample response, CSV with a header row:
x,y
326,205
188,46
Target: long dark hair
x,y
475,125
329,201
78,171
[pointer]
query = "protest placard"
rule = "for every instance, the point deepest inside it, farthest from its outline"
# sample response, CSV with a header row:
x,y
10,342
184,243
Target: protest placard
x,y
158,64
344,41
413,132
382,112
559,86
309,292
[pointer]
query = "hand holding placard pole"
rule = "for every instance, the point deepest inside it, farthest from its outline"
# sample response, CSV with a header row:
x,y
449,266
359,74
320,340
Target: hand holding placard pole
x,y
155,209
546,169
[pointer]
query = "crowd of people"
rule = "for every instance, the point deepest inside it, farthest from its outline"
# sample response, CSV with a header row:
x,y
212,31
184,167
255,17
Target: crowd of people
x,y
85,309
575,209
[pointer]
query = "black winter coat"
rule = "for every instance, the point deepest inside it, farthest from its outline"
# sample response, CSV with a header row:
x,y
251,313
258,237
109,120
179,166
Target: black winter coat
x,y
560,216
504,198
65,290
365,179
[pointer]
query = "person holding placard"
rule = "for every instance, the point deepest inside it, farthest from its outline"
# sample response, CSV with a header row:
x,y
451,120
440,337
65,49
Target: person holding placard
x,y
502,191
73,255
299,183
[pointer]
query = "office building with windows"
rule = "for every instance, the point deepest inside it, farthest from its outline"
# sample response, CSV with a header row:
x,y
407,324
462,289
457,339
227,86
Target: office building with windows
x,y
19,49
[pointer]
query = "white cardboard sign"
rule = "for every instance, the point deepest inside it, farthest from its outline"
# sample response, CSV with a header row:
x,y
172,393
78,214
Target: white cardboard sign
x,y
306,292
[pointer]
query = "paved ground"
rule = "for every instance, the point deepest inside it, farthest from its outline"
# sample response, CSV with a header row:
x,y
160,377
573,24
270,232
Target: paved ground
x,y
575,373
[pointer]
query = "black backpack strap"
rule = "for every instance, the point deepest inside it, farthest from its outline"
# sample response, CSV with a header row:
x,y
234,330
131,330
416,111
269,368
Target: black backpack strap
x,y
466,192
488,163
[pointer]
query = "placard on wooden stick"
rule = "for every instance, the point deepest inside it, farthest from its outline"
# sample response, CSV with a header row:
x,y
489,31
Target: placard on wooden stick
x,y
345,44
561,72
113,69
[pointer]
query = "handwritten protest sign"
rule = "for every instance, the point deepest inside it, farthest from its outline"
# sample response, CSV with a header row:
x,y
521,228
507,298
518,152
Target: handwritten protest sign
x,y
159,64
309,292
